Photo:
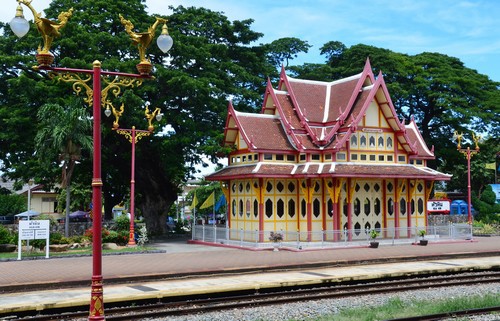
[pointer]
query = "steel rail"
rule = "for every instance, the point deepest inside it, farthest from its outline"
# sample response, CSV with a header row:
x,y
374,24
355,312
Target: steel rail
x,y
272,297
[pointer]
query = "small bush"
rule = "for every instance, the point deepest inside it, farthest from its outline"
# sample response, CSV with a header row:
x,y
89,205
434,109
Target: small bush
x,y
118,237
89,233
122,223
6,236
59,238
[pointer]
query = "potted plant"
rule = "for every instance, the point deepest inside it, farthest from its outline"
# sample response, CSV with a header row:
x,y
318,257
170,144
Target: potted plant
x,y
373,236
276,238
423,241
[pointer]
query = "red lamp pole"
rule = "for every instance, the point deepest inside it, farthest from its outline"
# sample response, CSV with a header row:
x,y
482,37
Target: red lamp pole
x,y
97,97
468,154
469,207
96,311
131,238
133,135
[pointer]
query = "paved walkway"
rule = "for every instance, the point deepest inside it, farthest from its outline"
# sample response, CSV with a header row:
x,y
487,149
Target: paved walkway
x,y
180,258
38,300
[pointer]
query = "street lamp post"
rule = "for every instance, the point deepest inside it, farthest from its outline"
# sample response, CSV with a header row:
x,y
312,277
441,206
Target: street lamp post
x,y
96,97
133,136
468,153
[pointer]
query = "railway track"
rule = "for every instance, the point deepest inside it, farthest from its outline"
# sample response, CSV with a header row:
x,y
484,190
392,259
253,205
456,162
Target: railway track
x,y
217,302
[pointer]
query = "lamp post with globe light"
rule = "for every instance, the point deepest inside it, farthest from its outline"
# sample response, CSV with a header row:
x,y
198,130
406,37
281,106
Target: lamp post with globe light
x,y
468,153
133,136
97,96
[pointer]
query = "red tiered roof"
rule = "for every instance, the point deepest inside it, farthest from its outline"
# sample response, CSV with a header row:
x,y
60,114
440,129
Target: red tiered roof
x,y
305,116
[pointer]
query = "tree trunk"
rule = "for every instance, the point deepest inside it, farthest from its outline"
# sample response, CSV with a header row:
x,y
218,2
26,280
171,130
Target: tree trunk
x,y
68,204
154,210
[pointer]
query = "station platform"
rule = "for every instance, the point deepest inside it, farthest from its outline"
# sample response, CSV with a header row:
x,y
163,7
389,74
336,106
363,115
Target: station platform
x,y
166,272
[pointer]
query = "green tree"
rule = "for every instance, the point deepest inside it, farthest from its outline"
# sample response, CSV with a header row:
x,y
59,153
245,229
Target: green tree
x,y
12,204
213,60
281,51
63,133
487,206
438,91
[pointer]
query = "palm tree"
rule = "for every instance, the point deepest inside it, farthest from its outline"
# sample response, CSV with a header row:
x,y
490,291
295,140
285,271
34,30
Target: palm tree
x,y
63,133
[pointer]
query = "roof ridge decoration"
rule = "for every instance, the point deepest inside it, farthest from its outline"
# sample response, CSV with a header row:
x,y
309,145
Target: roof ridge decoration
x,y
398,126
324,140
233,114
412,126
286,123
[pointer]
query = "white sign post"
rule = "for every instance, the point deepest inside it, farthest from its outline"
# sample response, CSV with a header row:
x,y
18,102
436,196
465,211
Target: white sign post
x,y
34,230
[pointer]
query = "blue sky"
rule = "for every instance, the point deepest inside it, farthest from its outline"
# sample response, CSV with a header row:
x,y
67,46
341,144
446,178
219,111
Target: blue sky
x,y
468,30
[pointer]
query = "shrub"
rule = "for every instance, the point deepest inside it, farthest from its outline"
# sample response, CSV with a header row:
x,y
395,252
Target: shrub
x,y
6,236
59,238
275,237
122,223
89,233
118,237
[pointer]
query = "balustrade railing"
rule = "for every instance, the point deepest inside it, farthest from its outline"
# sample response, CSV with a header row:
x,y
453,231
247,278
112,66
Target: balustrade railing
x,y
328,238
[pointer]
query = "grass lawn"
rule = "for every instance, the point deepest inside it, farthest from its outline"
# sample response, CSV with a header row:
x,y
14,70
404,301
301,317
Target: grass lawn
x,y
397,308
75,252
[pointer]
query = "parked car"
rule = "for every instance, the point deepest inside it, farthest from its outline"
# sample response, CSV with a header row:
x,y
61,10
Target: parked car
x,y
6,219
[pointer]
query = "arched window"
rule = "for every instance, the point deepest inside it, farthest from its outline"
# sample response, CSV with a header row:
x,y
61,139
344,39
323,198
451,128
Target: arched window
x,y
329,206
316,208
269,208
367,206
420,206
357,206
291,208
280,208
362,141
303,208
354,141
390,206
389,142
372,141
248,209
377,207
402,206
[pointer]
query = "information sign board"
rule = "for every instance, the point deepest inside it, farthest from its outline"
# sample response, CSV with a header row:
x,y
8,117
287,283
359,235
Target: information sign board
x,y
34,230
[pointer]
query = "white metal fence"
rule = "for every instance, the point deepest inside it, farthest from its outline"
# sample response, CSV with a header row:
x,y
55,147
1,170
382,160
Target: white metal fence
x,y
328,238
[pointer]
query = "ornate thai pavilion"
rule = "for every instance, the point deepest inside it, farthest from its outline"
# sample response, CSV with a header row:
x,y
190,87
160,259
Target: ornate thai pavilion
x,y
325,156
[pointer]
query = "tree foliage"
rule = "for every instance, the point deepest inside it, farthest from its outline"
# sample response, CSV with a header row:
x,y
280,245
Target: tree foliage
x,y
212,61
63,132
12,204
438,91
282,50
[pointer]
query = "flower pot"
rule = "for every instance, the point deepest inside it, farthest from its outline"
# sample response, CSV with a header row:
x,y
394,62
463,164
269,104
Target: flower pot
x,y
423,242
373,244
